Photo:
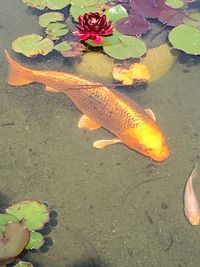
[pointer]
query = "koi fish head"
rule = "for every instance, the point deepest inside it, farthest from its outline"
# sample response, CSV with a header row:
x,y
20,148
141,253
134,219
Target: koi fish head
x,y
146,139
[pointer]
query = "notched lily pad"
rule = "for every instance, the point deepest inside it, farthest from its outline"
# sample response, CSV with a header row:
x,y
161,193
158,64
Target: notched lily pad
x,y
76,11
47,18
13,243
83,3
4,219
32,45
36,241
76,50
186,38
56,30
174,3
51,4
116,13
129,47
34,214
63,46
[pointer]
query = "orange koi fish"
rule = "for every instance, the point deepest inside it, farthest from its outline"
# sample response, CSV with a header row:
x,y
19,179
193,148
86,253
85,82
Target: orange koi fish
x,y
191,206
101,107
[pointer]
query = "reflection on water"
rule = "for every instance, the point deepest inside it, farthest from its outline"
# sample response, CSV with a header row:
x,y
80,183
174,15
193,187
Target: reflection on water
x,y
115,207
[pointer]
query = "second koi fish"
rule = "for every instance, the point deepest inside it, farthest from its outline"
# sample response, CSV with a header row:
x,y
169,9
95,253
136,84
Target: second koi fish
x,y
102,107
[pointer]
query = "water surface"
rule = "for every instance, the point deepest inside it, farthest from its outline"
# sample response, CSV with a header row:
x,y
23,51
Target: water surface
x,y
115,207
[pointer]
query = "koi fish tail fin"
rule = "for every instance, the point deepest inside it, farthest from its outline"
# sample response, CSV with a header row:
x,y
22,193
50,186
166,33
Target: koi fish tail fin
x,y
16,72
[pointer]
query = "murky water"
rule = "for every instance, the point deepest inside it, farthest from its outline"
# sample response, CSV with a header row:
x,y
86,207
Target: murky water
x,y
111,207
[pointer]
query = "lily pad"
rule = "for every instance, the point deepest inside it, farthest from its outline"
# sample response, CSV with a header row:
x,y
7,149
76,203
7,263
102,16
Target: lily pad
x,y
174,3
63,46
193,19
23,264
186,38
76,11
112,39
4,219
116,13
36,241
75,50
55,30
14,242
47,18
51,4
32,45
33,213
129,47
83,3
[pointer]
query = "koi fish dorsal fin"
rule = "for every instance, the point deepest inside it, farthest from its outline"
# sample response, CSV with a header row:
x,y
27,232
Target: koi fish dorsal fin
x,y
150,113
16,72
87,123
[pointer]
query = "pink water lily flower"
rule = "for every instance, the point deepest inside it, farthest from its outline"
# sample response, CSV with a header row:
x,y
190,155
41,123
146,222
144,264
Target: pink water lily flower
x,y
93,26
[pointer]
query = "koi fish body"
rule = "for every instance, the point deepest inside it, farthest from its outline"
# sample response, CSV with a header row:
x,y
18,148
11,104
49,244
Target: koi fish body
x,y
103,107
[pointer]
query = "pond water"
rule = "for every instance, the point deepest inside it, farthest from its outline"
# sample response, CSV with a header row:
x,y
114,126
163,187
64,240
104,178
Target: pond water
x,y
111,207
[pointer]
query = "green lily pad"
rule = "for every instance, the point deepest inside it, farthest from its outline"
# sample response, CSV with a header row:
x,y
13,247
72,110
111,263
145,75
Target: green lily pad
x,y
56,30
47,18
4,219
193,19
186,38
129,47
63,46
174,3
83,3
76,11
36,240
14,242
32,45
23,264
51,4
33,213
116,13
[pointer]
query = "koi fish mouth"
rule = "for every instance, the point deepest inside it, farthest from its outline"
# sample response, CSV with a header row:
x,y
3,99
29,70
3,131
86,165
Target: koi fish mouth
x,y
160,155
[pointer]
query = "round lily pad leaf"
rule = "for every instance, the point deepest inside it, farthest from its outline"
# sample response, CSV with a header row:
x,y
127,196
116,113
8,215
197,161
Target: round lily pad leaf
x,y
112,39
56,29
13,243
33,213
23,264
174,3
186,38
83,3
51,4
4,219
116,13
32,45
63,46
46,18
129,47
76,11
36,241
193,19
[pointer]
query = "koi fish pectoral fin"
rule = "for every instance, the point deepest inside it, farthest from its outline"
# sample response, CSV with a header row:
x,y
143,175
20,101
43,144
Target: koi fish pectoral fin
x,y
100,144
86,123
50,89
150,113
